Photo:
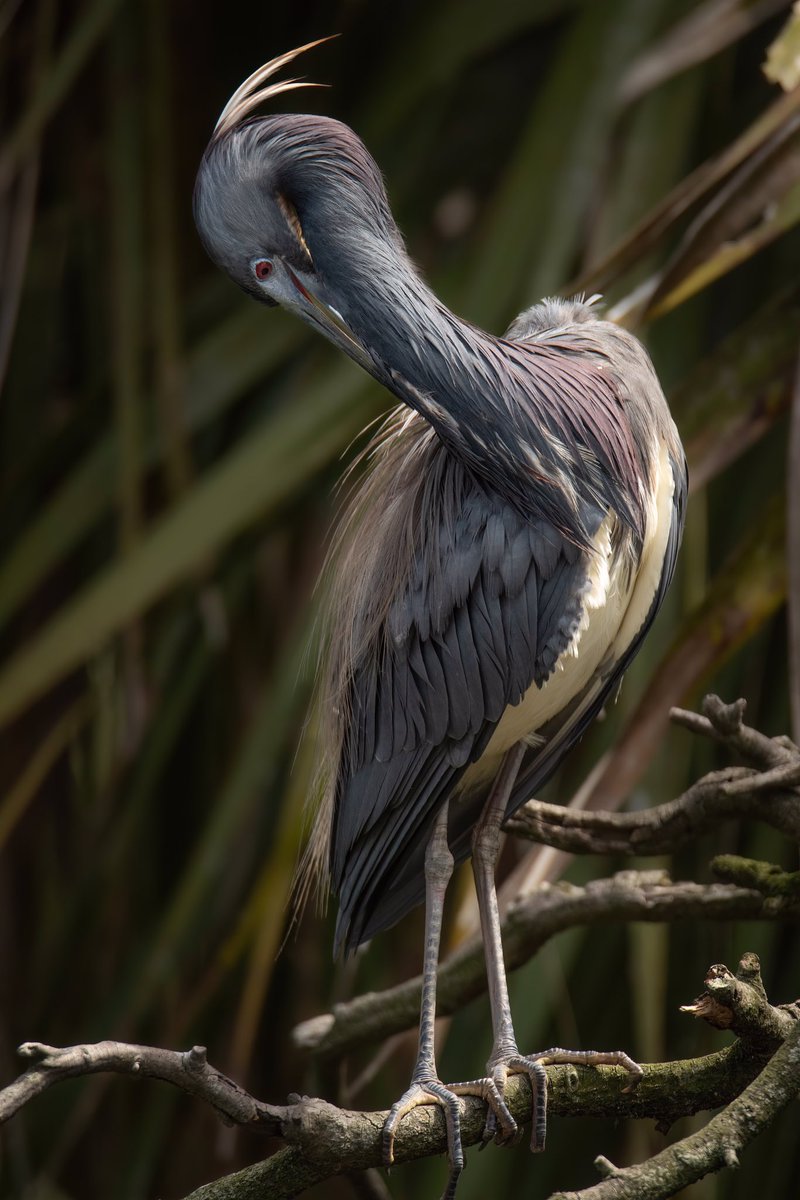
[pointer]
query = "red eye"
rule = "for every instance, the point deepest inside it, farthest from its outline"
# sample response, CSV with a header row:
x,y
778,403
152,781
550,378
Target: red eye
x,y
263,268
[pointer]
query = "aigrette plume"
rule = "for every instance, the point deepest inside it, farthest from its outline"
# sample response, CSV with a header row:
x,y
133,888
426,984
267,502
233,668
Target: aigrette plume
x,y
250,94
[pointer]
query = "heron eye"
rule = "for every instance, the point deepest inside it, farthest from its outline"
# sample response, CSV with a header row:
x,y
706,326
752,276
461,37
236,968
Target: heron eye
x,y
263,268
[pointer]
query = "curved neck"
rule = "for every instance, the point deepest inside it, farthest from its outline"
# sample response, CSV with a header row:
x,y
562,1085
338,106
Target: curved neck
x,y
432,360
477,391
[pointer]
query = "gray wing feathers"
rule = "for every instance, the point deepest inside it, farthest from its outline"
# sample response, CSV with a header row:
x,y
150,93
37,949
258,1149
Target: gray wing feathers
x,y
479,622
486,606
563,732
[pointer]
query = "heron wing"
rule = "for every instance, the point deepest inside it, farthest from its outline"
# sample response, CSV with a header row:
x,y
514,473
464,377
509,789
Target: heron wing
x,y
491,603
554,739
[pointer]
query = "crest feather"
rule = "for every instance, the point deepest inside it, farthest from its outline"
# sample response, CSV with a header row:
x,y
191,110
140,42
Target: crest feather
x,y
250,94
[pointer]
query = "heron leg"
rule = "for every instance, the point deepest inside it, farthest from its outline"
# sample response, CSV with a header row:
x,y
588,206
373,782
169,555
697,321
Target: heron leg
x,y
426,1087
505,1058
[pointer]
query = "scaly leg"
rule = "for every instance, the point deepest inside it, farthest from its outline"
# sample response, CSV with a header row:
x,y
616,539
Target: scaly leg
x,y
505,1058
426,1087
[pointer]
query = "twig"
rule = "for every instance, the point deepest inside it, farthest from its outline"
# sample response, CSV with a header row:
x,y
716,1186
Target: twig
x,y
719,796
626,896
725,723
189,1071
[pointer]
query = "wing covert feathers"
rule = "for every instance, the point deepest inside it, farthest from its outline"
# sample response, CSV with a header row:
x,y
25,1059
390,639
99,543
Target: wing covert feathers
x,y
457,623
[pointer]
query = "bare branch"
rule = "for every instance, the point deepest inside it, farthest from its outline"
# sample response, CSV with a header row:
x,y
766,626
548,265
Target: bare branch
x,y
719,1144
667,1091
627,896
739,1003
725,723
322,1140
719,796
189,1071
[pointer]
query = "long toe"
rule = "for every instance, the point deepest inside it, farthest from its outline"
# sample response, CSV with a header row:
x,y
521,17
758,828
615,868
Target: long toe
x,y
529,1064
500,1125
556,1055
533,1065
429,1091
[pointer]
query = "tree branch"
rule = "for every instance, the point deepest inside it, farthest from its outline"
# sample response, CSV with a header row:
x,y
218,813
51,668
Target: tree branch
x,y
725,723
761,792
664,829
626,896
189,1071
765,877
739,1002
668,1090
323,1140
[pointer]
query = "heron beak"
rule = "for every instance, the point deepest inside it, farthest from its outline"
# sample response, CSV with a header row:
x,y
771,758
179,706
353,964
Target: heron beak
x,y
333,324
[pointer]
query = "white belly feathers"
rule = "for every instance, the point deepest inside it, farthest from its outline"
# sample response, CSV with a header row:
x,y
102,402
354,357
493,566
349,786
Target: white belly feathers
x,y
616,606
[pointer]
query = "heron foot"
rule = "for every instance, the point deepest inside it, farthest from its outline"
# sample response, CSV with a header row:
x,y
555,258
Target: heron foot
x,y
533,1065
429,1091
503,1128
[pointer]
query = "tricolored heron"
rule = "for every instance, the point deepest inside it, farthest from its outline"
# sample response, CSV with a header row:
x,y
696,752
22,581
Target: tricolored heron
x,y
497,570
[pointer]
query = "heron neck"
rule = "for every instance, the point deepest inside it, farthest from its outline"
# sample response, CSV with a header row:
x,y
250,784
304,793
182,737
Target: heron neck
x,y
497,404
454,374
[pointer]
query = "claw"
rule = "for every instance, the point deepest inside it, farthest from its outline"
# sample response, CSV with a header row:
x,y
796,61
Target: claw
x,y
500,1124
521,1064
429,1091
533,1065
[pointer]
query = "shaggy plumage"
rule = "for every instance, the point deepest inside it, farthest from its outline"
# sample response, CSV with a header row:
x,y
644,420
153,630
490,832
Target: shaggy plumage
x,y
515,532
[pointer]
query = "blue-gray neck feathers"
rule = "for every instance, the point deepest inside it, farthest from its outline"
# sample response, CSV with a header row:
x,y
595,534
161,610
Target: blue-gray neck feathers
x,y
507,408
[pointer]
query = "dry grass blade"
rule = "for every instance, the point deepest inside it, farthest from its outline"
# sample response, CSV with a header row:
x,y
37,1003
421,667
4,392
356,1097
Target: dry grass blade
x,y
686,195
783,57
82,40
760,201
735,396
23,792
245,487
702,33
15,242
793,556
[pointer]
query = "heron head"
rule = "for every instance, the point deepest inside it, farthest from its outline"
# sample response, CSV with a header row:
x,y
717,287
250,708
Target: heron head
x,y
289,207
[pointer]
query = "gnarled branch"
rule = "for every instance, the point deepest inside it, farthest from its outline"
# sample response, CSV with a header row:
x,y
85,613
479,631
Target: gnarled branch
x,y
763,792
667,827
626,896
323,1140
735,1002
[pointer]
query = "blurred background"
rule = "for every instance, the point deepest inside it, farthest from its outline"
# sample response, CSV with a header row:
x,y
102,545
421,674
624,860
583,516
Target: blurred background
x,y
168,458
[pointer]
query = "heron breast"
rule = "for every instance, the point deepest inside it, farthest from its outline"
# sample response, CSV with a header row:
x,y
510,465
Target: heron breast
x,y
616,604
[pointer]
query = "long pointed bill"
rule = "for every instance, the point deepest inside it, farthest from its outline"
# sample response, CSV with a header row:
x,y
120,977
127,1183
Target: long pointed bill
x,y
334,326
